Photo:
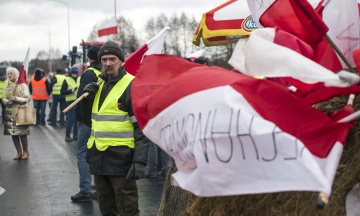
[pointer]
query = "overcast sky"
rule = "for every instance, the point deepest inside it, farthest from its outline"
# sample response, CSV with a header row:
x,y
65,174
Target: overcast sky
x,y
20,21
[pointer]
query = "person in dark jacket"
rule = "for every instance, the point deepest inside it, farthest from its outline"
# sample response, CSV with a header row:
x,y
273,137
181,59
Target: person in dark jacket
x,y
39,88
89,75
117,148
69,89
55,86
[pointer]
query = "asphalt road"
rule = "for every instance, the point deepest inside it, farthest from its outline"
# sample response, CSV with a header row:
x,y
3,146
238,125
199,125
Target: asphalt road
x,y
43,184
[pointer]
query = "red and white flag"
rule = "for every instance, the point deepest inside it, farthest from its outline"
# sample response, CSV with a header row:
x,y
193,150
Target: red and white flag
x,y
343,21
153,46
300,19
24,69
232,134
107,27
282,55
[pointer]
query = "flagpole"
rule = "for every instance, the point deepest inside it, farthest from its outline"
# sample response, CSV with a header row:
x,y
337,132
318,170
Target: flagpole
x,y
80,98
322,197
337,50
115,7
330,41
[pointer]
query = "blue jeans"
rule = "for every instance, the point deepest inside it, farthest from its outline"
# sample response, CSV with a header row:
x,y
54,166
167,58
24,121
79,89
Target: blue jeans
x,y
83,166
40,106
71,122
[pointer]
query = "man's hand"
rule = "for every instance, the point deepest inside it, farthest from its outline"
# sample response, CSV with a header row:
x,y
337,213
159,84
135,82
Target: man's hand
x,y
91,88
136,171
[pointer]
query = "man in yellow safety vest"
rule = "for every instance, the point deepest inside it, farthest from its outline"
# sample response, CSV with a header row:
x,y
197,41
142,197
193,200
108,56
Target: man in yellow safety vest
x,y
90,75
69,89
117,148
55,84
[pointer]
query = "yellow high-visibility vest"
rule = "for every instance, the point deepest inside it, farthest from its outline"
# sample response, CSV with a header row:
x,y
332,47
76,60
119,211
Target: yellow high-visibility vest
x,y
110,125
57,86
96,71
2,86
71,85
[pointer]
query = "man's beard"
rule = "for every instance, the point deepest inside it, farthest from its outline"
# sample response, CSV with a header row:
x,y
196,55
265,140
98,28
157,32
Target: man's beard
x,y
111,69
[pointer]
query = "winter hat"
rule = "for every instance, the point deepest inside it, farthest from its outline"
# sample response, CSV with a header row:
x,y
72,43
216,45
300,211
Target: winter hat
x,y
38,71
59,71
110,47
74,70
93,52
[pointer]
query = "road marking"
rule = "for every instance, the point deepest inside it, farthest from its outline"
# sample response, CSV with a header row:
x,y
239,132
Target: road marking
x,y
2,190
56,143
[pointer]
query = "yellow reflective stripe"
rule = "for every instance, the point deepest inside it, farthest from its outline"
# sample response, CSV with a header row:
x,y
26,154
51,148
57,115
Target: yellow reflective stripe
x,y
40,93
117,118
104,134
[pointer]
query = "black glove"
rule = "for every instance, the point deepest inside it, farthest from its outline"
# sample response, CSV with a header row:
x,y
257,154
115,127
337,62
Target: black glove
x,y
91,88
136,171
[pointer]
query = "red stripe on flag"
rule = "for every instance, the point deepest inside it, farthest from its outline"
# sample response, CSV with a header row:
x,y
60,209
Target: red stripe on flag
x,y
22,75
297,17
300,19
107,31
132,62
24,69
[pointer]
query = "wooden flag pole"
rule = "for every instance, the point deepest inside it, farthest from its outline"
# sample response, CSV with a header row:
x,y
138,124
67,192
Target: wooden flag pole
x,y
80,98
337,50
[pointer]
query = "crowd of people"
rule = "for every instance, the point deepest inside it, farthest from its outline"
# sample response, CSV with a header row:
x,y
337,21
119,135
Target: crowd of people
x,y
111,148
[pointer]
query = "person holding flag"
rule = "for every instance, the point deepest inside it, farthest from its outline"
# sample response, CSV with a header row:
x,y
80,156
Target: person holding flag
x,y
85,178
117,148
16,94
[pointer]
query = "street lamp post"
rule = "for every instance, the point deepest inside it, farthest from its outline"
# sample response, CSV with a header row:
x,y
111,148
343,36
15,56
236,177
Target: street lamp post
x,y
47,25
68,17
